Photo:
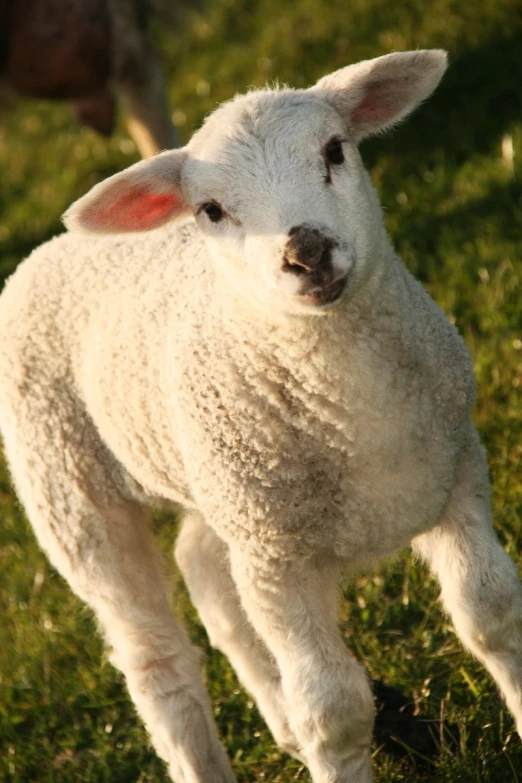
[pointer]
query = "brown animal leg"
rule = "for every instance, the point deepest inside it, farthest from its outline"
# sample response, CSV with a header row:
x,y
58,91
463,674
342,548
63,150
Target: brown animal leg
x,y
139,80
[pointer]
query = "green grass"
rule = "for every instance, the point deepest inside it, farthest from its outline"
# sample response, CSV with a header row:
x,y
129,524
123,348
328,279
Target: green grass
x,y
454,211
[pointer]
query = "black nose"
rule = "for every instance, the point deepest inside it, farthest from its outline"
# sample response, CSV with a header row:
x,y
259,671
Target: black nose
x,y
309,252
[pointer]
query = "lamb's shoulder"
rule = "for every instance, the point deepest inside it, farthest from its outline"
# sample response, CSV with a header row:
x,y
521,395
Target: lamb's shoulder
x,y
444,369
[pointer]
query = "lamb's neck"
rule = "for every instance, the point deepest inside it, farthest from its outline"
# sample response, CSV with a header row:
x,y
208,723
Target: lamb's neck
x,y
293,339
325,360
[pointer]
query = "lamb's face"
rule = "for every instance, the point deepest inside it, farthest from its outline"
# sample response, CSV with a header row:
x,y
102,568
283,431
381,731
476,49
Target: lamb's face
x,y
278,189
276,184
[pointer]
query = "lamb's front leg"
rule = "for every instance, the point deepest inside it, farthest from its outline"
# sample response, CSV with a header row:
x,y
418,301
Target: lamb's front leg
x,y
203,560
480,586
329,699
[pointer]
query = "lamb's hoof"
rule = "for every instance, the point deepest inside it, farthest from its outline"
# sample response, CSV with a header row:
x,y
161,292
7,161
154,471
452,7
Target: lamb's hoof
x,y
398,731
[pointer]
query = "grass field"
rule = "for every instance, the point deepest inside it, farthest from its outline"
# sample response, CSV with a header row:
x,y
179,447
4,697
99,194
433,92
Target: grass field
x,y
453,200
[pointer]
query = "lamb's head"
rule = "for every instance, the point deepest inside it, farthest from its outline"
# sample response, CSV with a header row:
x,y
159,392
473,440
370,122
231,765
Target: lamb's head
x,y
276,184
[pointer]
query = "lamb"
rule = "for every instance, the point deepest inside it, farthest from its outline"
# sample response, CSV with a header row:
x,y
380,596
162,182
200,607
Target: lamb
x,y
254,353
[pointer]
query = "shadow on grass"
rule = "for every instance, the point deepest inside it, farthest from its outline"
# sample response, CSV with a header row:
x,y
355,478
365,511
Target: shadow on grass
x,y
497,213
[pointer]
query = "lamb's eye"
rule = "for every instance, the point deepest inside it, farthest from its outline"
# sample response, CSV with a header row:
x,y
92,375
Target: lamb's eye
x,y
213,211
334,152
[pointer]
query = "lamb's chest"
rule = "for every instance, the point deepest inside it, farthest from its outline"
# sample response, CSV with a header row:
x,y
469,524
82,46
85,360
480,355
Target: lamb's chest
x,y
358,469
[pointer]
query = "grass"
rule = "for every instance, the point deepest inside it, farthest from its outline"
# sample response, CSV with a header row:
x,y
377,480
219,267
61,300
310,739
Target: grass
x,y
454,210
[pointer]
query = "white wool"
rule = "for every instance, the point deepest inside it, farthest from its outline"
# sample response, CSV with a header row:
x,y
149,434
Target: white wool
x,y
304,438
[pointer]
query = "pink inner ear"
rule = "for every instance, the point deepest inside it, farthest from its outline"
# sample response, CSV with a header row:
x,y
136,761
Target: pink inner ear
x,y
371,110
136,210
381,103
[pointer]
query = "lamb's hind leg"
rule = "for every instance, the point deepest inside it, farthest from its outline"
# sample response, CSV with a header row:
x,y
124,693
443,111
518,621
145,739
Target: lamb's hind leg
x,y
99,541
480,586
203,560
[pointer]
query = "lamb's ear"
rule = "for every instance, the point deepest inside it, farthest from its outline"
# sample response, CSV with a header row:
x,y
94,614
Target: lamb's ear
x,y
375,94
144,196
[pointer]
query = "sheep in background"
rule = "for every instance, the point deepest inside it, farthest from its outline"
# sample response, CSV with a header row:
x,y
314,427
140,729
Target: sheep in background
x,y
271,367
85,51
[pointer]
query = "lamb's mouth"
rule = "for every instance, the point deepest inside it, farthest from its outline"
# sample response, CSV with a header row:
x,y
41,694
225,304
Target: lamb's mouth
x,y
325,295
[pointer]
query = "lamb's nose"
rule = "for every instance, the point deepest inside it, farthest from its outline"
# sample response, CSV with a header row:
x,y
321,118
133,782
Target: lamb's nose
x,y
308,252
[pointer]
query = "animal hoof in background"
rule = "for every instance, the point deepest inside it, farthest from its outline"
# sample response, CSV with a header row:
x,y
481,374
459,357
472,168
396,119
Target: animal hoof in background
x,y
97,111
399,731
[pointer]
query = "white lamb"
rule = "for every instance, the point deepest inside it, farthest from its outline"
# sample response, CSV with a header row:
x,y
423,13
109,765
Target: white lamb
x,y
272,368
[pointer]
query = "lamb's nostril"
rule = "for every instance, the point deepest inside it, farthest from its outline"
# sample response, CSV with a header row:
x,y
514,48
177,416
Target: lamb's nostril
x,y
297,266
308,252
317,267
